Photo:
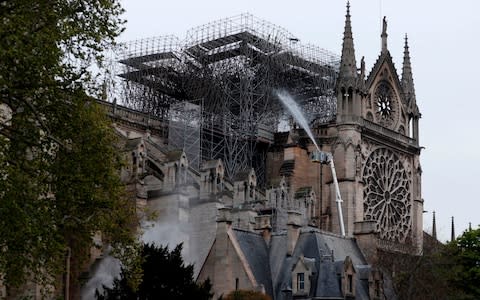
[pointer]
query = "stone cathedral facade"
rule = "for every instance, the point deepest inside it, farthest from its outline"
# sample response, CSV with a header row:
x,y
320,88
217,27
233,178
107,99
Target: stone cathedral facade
x,y
284,238
375,145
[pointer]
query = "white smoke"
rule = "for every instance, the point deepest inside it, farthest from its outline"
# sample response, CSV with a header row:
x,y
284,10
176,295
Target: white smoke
x,y
157,233
165,234
103,275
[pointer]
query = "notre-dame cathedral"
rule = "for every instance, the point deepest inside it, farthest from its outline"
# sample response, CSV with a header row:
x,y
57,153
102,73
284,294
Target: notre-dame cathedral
x,y
206,154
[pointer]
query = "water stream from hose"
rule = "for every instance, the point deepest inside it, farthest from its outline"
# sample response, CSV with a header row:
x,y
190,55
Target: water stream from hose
x,y
292,106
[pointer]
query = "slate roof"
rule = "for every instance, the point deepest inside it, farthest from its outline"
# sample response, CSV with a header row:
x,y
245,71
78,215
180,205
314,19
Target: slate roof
x,y
272,266
342,247
328,283
256,252
361,289
277,252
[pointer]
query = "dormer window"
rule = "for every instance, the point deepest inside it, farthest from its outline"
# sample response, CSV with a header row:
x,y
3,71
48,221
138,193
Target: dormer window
x,y
376,285
349,279
300,281
302,273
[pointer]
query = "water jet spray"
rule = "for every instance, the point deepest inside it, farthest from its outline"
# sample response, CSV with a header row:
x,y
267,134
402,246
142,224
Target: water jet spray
x,y
292,106
317,156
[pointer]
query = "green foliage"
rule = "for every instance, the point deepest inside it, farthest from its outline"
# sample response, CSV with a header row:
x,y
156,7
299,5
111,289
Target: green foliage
x,y
59,181
463,269
165,276
246,295
449,271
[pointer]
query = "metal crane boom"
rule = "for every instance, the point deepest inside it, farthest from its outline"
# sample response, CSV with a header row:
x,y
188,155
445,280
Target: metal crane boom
x,y
327,158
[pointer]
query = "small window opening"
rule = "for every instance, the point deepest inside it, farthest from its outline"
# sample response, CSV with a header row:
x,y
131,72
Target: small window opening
x,y
134,158
300,281
350,283
410,128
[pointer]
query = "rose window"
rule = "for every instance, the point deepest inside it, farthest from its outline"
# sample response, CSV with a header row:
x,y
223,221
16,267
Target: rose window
x,y
387,195
386,104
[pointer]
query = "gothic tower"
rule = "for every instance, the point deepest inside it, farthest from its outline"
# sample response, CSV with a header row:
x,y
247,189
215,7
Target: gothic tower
x,y
350,92
375,147
390,166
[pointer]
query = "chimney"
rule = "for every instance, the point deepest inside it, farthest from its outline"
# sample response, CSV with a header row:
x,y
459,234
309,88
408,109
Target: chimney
x,y
365,233
221,251
224,223
293,230
264,226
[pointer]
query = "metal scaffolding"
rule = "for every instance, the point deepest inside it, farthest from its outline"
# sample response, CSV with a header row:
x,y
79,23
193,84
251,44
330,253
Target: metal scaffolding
x,y
216,88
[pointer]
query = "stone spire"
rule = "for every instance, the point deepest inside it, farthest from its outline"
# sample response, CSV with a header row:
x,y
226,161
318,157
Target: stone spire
x,y
452,238
434,227
348,65
407,77
384,35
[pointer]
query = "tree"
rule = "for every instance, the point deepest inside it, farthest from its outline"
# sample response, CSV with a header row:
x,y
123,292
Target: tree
x,y
246,295
417,276
463,265
449,271
59,179
165,276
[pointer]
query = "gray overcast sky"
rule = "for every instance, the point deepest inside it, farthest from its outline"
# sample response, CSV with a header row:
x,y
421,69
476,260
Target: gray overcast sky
x,y
444,46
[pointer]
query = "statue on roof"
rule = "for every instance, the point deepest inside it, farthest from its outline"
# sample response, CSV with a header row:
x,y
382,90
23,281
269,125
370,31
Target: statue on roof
x,y
384,35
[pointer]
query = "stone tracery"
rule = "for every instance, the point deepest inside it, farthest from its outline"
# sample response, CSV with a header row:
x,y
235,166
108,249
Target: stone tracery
x,y
386,105
387,195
